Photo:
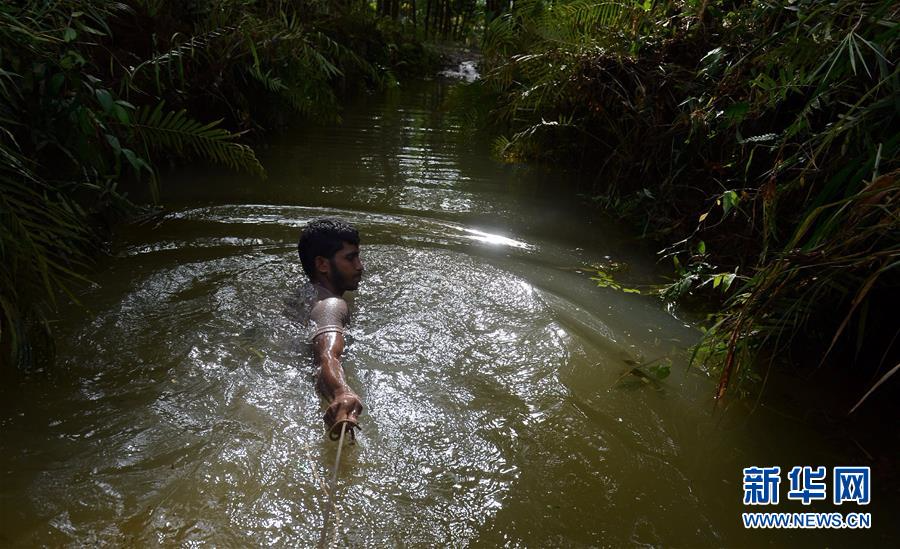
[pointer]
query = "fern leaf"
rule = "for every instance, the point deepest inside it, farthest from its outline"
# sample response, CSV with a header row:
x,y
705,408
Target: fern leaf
x,y
177,132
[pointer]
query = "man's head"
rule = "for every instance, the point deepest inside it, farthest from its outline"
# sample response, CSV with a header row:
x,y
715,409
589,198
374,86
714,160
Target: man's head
x,y
329,252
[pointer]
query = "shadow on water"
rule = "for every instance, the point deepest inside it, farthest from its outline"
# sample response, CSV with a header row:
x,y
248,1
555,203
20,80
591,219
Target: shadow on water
x,y
499,408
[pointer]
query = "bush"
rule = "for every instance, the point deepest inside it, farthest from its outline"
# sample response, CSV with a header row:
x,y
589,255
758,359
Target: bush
x,y
757,140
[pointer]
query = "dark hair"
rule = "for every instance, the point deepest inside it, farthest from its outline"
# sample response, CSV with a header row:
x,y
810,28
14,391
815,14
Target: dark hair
x,y
323,236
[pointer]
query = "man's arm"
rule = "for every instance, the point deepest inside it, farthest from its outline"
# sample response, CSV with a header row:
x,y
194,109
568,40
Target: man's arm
x,y
330,316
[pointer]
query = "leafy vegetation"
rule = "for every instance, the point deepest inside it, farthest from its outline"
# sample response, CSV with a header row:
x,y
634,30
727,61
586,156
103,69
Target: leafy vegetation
x,y
758,140
440,19
93,92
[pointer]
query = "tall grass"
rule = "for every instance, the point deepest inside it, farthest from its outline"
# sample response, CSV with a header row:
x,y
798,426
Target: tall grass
x,y
757,140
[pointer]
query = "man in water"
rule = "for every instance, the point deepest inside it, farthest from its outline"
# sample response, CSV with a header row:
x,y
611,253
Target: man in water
x,y
329,252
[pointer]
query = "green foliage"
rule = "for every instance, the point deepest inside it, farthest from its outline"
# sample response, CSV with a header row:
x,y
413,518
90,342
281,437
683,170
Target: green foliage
x,y
83,84
648,374
660,371
175,131
42,238
749,137
607,275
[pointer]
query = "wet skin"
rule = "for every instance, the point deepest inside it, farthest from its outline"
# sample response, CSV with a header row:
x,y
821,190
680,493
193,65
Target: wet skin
x,y
333,277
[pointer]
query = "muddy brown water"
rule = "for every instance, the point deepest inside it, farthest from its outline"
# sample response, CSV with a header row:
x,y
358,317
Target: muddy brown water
x,y
499,408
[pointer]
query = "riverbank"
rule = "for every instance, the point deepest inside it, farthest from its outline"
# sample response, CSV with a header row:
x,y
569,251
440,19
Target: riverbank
x,y
756,143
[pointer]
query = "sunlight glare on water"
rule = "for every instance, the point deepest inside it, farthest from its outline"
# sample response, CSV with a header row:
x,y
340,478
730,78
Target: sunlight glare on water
x,y
495,374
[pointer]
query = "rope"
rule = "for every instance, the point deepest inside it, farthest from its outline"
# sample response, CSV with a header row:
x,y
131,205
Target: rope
x,y
337,463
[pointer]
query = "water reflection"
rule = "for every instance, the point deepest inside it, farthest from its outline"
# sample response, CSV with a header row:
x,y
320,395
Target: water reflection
x,y
495,239
183,410
216,430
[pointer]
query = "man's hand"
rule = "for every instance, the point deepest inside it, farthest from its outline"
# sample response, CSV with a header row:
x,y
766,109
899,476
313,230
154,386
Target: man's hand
x,y
345,407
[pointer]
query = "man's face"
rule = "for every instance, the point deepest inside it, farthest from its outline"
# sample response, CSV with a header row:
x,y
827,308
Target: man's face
x,y
346,267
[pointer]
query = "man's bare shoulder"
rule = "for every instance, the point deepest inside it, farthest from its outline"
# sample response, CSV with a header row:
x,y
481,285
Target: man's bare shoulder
x,y
330,311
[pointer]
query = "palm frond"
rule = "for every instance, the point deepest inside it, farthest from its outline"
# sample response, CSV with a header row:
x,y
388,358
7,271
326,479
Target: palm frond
x,y
177,132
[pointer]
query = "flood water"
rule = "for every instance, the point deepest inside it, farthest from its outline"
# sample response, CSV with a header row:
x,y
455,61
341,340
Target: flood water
x,y
499,406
